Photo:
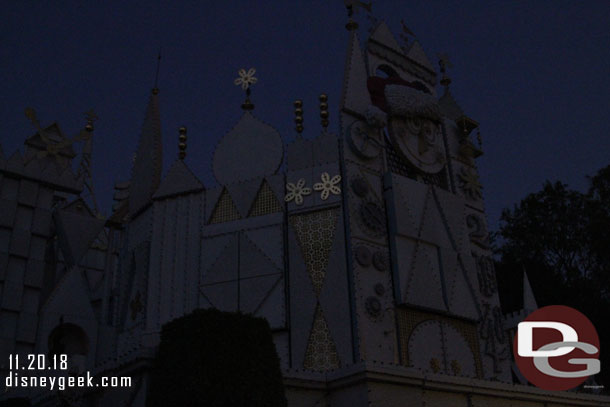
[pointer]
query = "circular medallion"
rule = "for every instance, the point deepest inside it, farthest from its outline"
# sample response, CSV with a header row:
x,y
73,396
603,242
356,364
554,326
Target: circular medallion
x,y
373,307
360,138
363,256
380,261
373,217
419,140
360,186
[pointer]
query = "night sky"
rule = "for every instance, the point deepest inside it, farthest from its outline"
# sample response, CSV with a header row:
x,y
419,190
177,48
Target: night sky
x,y
535,74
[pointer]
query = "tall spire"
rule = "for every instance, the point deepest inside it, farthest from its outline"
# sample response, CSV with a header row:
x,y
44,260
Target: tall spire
x,y
355,95
156,89
84,168
147,166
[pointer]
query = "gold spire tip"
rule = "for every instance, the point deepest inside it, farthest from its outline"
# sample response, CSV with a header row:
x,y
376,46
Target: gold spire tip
x,y
324,110
182,142
298,115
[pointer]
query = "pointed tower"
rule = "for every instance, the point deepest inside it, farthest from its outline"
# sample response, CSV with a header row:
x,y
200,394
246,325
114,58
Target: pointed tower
x,y
529,300
147,167
415,215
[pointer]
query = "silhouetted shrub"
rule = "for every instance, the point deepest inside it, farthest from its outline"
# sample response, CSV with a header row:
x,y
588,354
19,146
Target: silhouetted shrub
x,y
15,402
216,359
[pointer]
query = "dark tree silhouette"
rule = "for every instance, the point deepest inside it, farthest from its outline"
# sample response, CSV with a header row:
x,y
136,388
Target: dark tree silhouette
x,y
561,238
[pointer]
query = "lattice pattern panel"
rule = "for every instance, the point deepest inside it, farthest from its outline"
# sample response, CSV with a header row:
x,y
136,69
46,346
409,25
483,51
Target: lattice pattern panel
x,y
225,210
265,202
409,318
315,233
399,166
321,353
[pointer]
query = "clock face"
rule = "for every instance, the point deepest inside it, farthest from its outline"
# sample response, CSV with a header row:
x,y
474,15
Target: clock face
x,y
420,141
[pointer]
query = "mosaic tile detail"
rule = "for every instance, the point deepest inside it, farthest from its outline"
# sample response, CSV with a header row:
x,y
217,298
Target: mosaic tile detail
x,y
315,233
321,353
265,202
225,209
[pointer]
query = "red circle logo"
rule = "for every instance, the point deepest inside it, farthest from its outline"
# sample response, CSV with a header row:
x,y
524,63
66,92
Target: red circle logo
x,y
556,348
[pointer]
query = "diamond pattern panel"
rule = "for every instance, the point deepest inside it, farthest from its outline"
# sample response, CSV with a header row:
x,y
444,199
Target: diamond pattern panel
x,y
315,233
321,353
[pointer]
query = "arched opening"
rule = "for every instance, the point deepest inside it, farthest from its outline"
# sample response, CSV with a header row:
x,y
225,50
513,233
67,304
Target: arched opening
x,y
70,339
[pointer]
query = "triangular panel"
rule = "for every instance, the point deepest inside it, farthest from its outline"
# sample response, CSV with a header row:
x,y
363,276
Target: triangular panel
x,y
243,194
452,211
321,353
269,240
424,286
225,266
179,180
76,233
147,167
384,36
265,202
529,301
273,307
253,291
225,210
355,95
462,301
222,296
315,233
417,54
70,297
252,261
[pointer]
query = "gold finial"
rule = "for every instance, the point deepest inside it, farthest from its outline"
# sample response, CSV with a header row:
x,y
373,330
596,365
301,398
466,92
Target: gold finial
x,y
351,6
31,114
298,115
444,63
324,110
91,118
182,142
246,80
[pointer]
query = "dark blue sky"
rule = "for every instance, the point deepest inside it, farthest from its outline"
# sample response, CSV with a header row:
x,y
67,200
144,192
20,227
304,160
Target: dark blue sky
x,y
535,74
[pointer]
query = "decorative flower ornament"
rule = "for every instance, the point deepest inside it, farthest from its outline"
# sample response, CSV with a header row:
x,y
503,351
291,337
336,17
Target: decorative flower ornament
x,y
245,78
328,185
297,192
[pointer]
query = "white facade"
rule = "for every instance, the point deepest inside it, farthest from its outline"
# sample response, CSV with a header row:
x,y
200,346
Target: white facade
x,y
368,254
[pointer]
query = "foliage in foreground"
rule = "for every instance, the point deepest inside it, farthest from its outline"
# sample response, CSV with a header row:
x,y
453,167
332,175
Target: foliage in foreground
x,y
561,238
213,358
